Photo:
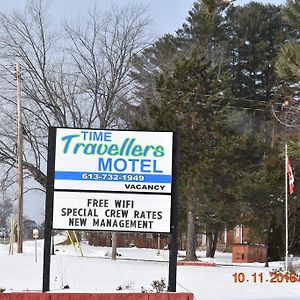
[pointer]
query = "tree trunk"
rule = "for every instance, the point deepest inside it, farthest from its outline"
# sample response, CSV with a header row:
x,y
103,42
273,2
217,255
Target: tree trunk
x,y
190,234
114,246
211,244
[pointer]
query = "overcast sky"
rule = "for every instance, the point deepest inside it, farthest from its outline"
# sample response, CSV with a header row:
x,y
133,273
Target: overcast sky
x,y
167,16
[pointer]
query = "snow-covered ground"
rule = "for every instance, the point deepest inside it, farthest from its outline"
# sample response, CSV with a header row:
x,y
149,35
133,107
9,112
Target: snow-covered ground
x,y
136,268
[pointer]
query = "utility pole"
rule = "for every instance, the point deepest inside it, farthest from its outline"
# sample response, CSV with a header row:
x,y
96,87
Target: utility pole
x,y
20,161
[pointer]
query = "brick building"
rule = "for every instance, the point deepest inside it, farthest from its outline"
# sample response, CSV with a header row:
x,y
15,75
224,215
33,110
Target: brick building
x,y
239,235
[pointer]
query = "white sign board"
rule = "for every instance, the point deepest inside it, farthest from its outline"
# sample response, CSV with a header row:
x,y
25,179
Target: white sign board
x,y
112,180
111,211
101,160
35,233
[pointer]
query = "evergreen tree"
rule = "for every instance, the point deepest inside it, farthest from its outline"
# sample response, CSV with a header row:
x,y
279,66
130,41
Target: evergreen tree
x,y
187,98
255,33
205,29
225,149
6,210
29,225
214,156
288,70
288,63
248,38
159,58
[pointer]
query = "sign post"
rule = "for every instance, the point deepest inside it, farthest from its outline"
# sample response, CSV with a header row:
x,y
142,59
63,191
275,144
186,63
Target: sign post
x,y
174,218
109,180
35,234
49,208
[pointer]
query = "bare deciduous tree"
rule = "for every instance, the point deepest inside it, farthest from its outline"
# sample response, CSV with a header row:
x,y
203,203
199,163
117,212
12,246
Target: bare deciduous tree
x,y
78,77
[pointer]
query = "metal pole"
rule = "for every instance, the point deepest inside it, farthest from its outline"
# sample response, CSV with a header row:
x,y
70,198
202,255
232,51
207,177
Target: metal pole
x,y
174,217
52,244
20,161
286,211
49,208
35,249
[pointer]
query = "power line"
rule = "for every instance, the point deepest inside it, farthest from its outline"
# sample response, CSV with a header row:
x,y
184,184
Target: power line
x,y
244,108
181,92
239,107
230,98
